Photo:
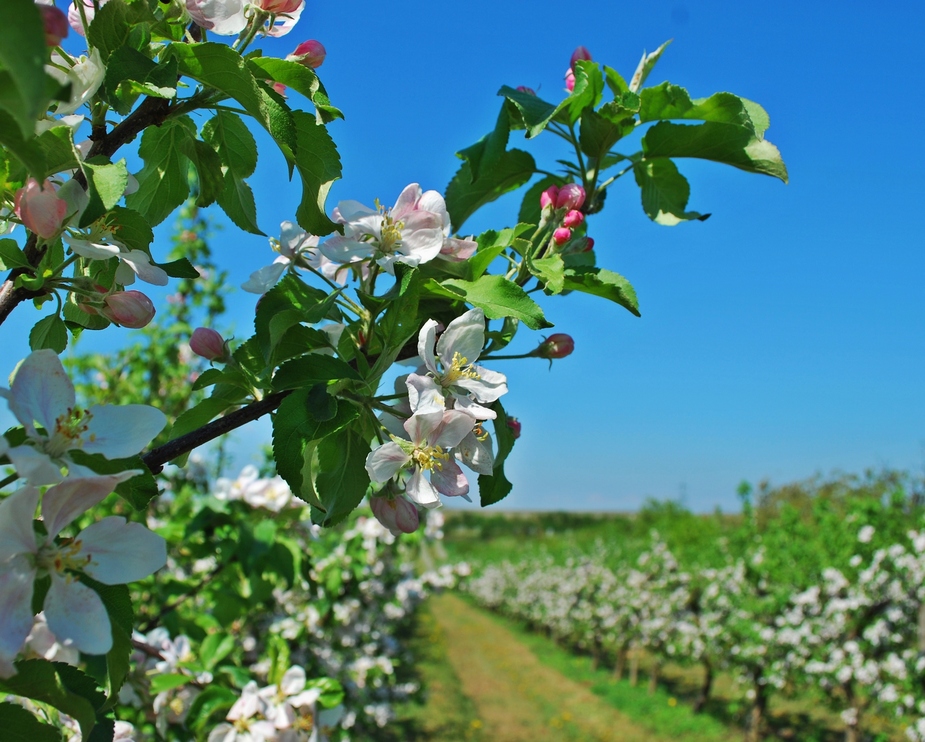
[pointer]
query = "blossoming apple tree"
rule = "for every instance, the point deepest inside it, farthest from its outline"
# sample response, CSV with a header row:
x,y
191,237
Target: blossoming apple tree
x,y
351,293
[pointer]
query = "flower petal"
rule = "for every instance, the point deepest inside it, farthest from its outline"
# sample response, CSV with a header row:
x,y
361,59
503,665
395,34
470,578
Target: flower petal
x,y
488,387
76,613
386,461
293,681
16,580
34,466
74,496
16,515
424,395
454,427
140,263
264,279
477,454
421,491
119,431
464,335
450,480
119,552
41,391
427,339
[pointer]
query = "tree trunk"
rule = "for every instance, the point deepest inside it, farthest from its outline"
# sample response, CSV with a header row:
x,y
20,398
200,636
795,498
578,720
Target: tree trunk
x,y
620,666
653,677
759,707
596,651
634,667
853,727
705,687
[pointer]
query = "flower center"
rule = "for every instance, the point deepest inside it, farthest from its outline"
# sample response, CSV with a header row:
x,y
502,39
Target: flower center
x,y
62,557
459,368
430,457
69,428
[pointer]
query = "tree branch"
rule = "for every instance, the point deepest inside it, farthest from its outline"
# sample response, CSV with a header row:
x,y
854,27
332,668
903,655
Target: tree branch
x,y
156,459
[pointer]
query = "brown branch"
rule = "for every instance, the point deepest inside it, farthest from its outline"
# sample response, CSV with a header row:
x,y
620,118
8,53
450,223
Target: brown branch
x,y
156,459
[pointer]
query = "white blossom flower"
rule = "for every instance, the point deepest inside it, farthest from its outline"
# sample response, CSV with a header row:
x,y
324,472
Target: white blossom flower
x,y
42,393
111,551
295,247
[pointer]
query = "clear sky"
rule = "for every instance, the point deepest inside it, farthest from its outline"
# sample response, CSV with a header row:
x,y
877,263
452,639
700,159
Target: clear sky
x,y
781,338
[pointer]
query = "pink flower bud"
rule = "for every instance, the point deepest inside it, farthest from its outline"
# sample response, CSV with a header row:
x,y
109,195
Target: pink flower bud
x,y
525,89
549,196
562,235
128,308
40,208
207,343
514,424
56,25
280,88
571,196
573,218
280,6
590,246
580,52
398,514
569,80
558,345
310,53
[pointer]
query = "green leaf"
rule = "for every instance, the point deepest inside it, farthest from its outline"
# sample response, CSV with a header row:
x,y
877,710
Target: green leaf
x,y
551,273
231,139
318,164
197,416
213,699
293,75
28,152
291,293
23,54
490,148
342,481
295,425
615,81
311,369
667,101
137,491
160,683
496,296
464,196
105,185
589,88
598,134
237,201
603,283
57,145
11,256
20,725
214,648
645,67
59,685
49,332
208,169
163,183
130,74
535,112
180,268
118,603
111,26
726,143
496,487
664,192
133,230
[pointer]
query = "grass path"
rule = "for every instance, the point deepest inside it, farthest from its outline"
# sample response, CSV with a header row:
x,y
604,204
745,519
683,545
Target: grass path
x,y
517,697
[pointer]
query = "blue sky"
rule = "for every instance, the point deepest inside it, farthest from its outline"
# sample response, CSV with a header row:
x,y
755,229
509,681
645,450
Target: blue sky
x,y
781,338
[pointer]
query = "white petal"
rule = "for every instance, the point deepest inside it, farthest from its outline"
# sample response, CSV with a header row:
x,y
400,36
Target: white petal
x,y
421,491
34,466
464,335
421,427
407,201
427,339
41,391
118,431
76,613
386,461
293,681
120,551
16,515
424,395
140,262
454,427
490,385
92,250
16,579
74,496
265,278
477,454
450,480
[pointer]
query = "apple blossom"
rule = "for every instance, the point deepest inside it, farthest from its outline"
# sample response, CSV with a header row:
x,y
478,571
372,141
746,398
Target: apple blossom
x,y
411,232
128,308
111,551
573,218
231,17
562,235
208,344
100,244
89,11
296,248
431,436
548,197
570,196
55,23
40,208
397,514
42,393
84,75
309,53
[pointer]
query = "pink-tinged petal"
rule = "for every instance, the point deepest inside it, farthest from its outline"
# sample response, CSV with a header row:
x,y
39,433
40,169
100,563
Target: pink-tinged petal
x,y
427,339
450,480
41,391
118,431
421,491
141,265
386,461
455,426
424,395
385,511
344,249
433,202
34,466
421,427
16,515
76,613
488,387
464,335
407,202
477,454
74,496
247,705
456,250
406,515
16,580
224,17
285,23
119,552
350,211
